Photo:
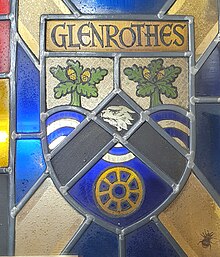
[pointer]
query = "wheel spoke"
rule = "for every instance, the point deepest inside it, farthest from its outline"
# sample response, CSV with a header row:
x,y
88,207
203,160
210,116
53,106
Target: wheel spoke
x,y
104,192
118,175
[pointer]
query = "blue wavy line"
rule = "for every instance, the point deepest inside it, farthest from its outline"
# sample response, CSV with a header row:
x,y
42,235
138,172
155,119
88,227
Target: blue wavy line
x,y
174,132
65,131
170,115
65,115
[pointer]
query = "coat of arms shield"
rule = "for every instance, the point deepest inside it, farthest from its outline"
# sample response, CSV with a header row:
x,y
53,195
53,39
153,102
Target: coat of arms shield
x,y
115,91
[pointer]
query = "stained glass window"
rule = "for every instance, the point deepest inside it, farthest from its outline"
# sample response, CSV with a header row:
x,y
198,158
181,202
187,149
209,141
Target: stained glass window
x,y
109,128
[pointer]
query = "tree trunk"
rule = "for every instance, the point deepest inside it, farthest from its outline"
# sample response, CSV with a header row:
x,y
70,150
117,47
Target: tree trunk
x,y
155,98
75,99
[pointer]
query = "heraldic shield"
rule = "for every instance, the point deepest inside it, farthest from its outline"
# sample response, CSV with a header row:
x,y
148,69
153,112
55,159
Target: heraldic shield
x,y
115,104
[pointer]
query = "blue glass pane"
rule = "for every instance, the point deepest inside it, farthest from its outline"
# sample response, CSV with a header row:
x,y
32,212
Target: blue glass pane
x,y
208,142
208,77
154,190
29,165
119,6
148,241
28,94
96,242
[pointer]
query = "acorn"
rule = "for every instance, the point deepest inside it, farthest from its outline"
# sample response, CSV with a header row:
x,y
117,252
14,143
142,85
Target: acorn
x,y
85,76
146,73
71,73
160,74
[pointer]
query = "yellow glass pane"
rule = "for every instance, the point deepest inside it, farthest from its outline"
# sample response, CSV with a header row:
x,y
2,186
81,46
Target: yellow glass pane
x,y
205,13
46,223
29,13
193,219
4,122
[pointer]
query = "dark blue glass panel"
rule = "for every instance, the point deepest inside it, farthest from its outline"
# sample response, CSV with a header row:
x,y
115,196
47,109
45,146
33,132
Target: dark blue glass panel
x,y
119,6
28,94
170,115
96,242
208,77
29,165
148,241
155,192
208,142
173,132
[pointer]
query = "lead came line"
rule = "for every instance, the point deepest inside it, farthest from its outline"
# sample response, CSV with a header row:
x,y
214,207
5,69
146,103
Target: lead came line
x,y
13,44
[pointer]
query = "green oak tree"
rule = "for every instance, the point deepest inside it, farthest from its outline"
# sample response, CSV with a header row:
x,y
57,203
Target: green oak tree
x,y
154,80
77,81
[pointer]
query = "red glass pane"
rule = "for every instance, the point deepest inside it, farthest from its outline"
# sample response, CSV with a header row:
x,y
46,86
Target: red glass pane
x,y
4,6
4,46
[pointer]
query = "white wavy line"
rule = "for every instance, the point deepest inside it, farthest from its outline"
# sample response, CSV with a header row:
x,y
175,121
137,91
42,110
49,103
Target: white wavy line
x,y
174,124
62,123
56,142
118,145
118,158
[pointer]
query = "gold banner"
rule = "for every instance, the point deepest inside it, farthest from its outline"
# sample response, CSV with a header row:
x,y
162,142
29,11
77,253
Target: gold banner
x,y
116,36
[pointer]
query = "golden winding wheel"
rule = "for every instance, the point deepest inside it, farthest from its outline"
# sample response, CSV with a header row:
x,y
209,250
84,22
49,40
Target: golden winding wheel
x,y
119,191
